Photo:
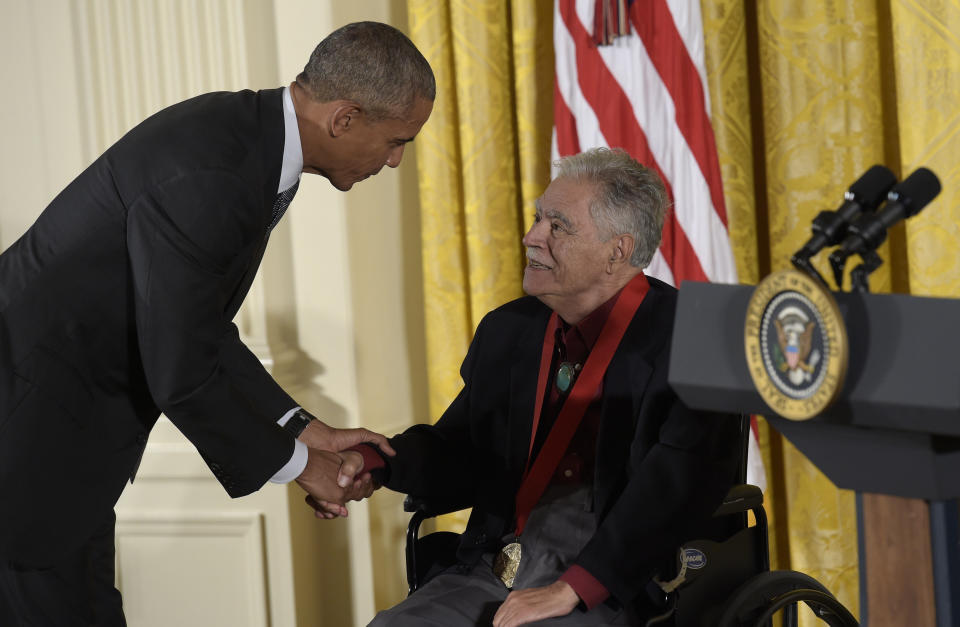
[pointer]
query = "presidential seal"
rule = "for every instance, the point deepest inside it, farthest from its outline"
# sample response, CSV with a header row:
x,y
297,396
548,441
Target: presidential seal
x,y
796,344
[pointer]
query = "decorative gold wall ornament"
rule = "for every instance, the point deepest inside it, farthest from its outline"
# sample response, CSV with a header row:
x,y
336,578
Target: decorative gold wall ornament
x,y
796,344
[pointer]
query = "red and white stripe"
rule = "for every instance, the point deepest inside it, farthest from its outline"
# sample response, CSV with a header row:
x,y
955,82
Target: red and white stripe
x,y
647,93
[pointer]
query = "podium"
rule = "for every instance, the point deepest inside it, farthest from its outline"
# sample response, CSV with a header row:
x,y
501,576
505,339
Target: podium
x,y
893,430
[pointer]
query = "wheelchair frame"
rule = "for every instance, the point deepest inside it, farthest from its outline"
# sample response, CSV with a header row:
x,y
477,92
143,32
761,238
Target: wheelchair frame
x,y
730,586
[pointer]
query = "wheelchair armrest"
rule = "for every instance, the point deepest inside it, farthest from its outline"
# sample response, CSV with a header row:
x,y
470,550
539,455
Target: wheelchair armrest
x,y
430,506
437,545
739,499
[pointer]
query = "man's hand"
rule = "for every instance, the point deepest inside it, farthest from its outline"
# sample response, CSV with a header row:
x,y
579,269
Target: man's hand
x,y
532,604
319,480
359,488
326,438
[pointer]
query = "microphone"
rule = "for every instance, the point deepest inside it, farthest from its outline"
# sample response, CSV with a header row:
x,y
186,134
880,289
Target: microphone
x,y
830,227
905,200
865,194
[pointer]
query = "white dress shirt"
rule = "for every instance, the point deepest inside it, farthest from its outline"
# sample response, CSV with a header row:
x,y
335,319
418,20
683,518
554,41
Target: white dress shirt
x,y
290,170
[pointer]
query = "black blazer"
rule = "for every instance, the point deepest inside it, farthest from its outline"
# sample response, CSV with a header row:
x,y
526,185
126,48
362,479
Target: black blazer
x,y
661,471
117,305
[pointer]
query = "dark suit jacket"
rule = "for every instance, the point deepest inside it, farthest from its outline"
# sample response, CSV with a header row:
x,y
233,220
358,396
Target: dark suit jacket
x,y
117,305
661,470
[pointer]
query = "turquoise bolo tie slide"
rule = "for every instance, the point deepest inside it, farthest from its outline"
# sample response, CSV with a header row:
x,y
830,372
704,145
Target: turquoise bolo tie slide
x,y
566,373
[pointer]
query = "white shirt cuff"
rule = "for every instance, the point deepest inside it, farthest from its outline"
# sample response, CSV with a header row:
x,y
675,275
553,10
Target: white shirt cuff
x,y
286,417
294,467
298,461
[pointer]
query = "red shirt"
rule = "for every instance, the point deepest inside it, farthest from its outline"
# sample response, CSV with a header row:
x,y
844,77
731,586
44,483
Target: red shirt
x,y
574,344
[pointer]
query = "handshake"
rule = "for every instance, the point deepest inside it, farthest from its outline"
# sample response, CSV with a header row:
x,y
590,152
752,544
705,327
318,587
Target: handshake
x,y
331,478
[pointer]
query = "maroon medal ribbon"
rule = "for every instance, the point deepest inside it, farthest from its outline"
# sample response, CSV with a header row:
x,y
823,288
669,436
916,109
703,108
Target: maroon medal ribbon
x,y
537,477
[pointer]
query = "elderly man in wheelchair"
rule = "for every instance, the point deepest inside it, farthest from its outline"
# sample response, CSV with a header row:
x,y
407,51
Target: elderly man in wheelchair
x,y
585,472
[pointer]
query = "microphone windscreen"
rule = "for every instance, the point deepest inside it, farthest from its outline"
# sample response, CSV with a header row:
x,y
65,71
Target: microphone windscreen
x,y
870,189
916,191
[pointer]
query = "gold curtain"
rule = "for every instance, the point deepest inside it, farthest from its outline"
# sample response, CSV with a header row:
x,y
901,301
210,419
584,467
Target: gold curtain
x,y
482,159
926,65
806,95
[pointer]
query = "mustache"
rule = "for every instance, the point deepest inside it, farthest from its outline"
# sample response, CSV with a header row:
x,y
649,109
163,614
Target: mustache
x,y
533,259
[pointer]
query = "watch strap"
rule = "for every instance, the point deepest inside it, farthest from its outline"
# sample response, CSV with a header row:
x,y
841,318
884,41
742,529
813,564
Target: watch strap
x,y
298,422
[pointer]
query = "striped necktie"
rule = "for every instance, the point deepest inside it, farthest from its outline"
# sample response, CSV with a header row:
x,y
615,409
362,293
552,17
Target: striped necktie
x,y
281,204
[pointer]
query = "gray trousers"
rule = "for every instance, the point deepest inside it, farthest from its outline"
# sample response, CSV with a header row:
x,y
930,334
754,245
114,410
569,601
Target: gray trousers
x,y
558,528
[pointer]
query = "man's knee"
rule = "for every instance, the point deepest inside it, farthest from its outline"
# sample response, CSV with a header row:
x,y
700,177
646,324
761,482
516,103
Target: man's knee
x,y
448,600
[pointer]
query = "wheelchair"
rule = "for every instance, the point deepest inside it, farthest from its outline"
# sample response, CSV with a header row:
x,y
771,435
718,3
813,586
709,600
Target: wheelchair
x,y
721,581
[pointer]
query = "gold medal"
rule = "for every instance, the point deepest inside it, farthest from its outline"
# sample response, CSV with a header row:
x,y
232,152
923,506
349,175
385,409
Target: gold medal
x,y
506,563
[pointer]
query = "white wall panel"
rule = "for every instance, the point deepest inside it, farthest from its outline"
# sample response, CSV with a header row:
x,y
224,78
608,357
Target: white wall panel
x,y
210,567
40,152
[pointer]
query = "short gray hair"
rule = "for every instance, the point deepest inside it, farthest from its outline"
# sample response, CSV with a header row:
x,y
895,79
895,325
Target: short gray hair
x,y
628,197
374,65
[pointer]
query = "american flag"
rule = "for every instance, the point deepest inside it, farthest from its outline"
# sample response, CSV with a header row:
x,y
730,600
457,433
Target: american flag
x,y
631,75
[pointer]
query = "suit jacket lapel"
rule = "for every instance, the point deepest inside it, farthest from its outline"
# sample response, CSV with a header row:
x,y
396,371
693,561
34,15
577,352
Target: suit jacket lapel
x,y
524,372
272,140
271,148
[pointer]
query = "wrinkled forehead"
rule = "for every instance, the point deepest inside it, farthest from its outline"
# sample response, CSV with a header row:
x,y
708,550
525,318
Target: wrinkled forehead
x,y
566,195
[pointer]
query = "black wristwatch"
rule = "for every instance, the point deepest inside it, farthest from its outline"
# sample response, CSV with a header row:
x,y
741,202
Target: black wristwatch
x,y
298,422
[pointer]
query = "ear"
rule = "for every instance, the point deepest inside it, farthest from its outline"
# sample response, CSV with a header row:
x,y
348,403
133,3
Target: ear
x,y
621,251
344,117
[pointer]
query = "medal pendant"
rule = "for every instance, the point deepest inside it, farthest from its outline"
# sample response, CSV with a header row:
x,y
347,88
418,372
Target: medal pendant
x,y
506,563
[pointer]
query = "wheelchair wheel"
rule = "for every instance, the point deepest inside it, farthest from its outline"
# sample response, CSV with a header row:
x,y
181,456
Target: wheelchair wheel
x,y
755,602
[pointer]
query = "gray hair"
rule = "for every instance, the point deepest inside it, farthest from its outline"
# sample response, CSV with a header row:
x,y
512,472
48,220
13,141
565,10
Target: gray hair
x,y
374,65
629,198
